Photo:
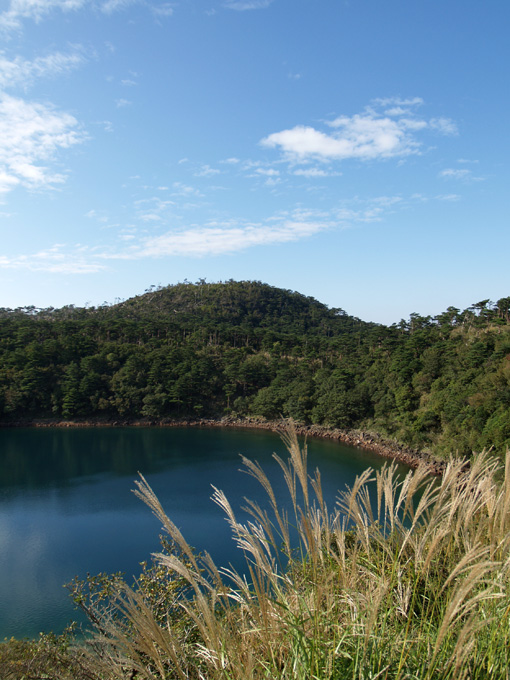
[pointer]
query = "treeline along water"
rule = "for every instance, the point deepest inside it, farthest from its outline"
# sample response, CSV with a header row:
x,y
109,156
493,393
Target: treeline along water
x,y
66,508
248,349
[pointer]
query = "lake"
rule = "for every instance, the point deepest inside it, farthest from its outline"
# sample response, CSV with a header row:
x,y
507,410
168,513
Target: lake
x,y
66,506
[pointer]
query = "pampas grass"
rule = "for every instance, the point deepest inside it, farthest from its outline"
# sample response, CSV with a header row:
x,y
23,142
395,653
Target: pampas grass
x,y
411,585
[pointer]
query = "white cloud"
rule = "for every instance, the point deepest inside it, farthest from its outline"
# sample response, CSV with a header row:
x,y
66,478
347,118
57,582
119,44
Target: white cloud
x,y
363,137
163,10
7,181
122,103
181,189
267,172
107,125
224,238
445,126
207,171
460,174
312,172
399,102
55,260
366,136
455,173
448,197
150,217
364,211
111,6
20,71
242,5
152,209
31,133
257,169
396,111
94,215
412,124
18,10
212,238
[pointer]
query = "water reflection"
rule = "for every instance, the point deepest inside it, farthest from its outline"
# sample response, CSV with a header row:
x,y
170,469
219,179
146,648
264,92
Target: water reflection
x,y
66,506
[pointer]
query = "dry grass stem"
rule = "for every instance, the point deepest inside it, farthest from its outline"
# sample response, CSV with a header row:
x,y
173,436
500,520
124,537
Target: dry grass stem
x,y
406,577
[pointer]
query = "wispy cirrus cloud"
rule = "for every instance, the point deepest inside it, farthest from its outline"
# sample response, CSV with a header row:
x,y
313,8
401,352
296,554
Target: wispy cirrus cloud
x,y
31,133
370,135
462,174
184,190
448,197
22,72
212,238
363,211
206,171
19,10
165,9
398,106
244,5
58,259
153,209
445,126
221,238
455,173
313,172
111,6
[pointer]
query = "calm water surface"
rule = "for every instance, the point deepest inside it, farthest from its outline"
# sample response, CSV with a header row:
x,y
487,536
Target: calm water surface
x,y
66,506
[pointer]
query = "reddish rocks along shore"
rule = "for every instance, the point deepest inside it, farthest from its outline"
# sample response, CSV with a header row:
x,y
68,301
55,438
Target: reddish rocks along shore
x,y
362,440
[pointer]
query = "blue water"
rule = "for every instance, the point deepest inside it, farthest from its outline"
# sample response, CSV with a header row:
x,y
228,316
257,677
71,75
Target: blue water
x,y
66,506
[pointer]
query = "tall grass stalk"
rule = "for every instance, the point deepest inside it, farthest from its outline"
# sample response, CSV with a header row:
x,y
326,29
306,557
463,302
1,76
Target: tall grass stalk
x,y
403,578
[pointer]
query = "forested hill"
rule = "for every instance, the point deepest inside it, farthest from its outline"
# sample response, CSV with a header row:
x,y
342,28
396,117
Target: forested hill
x,y
227,311
246,348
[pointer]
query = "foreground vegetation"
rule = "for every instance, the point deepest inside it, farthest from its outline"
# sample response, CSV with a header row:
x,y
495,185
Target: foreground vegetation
x,y
248,349
405,578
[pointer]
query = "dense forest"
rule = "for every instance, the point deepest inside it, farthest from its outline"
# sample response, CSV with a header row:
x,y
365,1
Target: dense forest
x,y
249,349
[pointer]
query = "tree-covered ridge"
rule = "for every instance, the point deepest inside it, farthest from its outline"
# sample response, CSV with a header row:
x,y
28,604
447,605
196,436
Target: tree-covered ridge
x,y
249,349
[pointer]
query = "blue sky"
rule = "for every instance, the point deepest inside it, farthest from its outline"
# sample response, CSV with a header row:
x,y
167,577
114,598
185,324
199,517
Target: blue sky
x,y
355,151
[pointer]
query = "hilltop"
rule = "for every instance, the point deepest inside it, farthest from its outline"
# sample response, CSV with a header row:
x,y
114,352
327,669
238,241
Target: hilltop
x,y
247,349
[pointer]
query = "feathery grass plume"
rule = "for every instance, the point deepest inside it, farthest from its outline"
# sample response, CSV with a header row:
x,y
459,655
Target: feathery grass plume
x,y
407,577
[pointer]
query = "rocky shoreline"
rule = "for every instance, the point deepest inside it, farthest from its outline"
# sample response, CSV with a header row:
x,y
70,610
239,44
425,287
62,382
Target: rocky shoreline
x,y
362,440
